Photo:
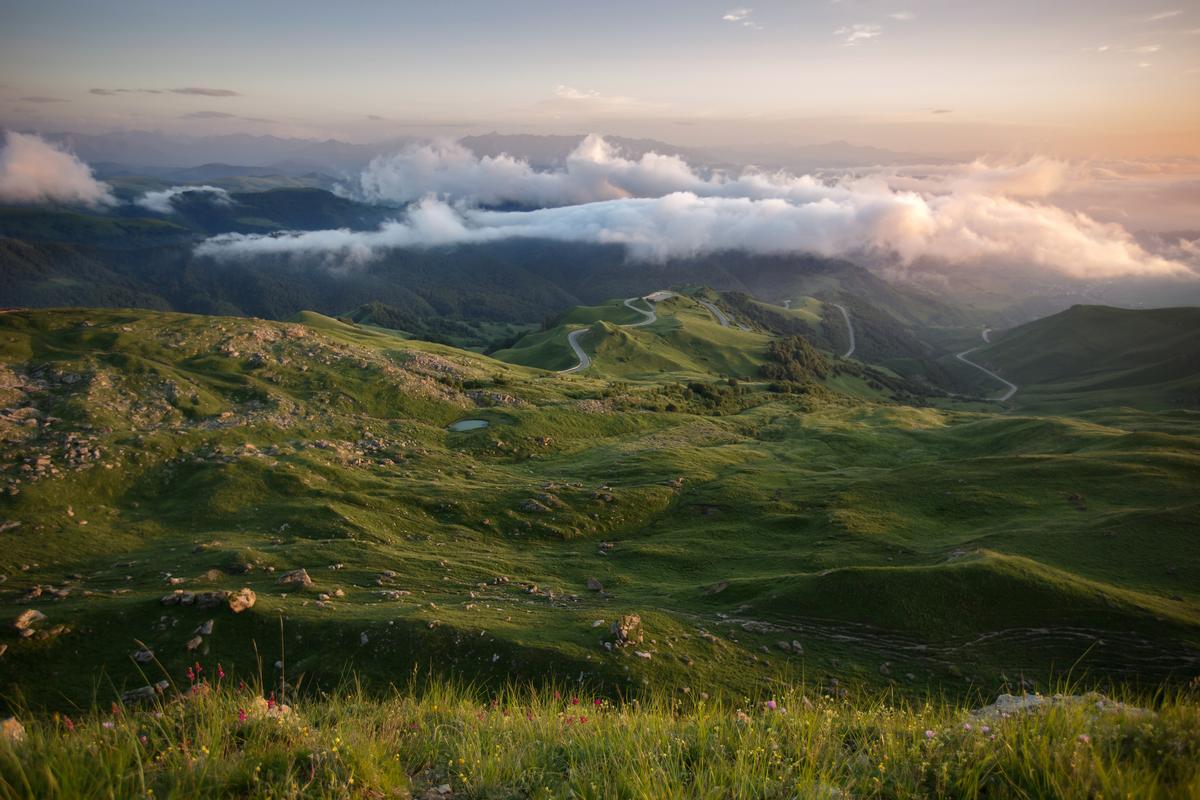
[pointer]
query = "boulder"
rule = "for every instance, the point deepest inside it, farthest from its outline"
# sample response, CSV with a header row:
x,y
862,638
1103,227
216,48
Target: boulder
x,y
26,619
204,629
595,585
297,578
211,599
241,600
627,629
143,656
193,643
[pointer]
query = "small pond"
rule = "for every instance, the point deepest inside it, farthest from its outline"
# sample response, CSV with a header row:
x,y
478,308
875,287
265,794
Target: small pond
x,y
468,425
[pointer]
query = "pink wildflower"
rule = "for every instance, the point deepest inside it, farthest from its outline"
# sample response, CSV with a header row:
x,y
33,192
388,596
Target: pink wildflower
x,y
772,705
242,716
68,723
109,724
220,672
929,734
1084,738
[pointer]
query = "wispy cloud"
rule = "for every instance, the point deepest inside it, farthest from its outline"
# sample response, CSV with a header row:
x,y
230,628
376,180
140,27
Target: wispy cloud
x,y
1175,12
37,98
376,118
942,111
1142,49
903,16
741,16
108,92
206,114
594,100
854,35
206,92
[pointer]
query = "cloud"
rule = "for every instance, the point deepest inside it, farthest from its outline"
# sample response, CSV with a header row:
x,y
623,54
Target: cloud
x,y
660,208
1164,15
854,35
206,92
208,115
741,16
34,171
37,98
1142,49
941,111
221,115
162,202
903,16
376,118
110,92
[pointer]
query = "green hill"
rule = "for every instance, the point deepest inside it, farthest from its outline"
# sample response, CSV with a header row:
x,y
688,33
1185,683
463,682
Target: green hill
x,y
147,452
1098,355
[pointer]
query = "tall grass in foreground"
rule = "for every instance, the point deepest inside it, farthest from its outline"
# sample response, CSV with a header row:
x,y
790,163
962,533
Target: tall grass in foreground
x,y
226,741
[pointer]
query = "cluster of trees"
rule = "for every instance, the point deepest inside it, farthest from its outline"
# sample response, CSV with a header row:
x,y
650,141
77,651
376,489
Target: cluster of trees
x,y
793,359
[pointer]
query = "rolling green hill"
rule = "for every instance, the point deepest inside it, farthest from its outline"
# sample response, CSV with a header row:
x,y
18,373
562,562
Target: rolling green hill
x,y
1091,356
146,453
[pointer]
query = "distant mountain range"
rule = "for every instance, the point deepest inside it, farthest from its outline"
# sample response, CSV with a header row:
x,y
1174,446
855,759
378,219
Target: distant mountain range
x,y
152,152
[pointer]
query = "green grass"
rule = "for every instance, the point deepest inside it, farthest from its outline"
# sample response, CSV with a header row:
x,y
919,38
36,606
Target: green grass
x,y
1097,356
564,741
907,548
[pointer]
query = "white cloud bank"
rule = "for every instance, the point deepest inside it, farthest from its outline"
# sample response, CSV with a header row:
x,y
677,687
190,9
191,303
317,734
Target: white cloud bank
x,y
34,171
660,208
162,202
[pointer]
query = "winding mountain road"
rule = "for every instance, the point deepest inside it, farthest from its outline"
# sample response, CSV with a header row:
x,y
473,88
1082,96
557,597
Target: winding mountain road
x,y
585,361
849,327
1012,387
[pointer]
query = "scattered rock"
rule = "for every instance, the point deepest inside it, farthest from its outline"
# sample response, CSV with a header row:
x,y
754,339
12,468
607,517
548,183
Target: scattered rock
x,y
204,629
143,656
296,578
26,619
595,585
193,643
241,600
627,629
211,599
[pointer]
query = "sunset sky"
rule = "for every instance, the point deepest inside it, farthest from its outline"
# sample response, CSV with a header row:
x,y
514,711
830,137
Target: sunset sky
x,y
1101,77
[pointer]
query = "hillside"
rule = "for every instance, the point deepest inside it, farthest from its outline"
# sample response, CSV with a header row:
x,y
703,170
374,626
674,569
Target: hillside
x,y
148,455
1098,355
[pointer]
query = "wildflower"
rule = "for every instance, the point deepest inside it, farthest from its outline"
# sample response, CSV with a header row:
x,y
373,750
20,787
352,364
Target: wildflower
x,y
574,701
191,673
985,729
68,723
220,672
241,716
109,724
597,702
929,734
583,720
966,726
143,739
772,705
558,695
1085,739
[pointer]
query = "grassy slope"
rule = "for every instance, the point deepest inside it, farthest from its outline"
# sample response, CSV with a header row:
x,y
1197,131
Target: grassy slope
x,y
959,548
794,741
684,343
1089,356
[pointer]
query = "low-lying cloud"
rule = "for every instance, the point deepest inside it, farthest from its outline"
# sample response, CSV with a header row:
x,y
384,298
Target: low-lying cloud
x,y
34,171
661,208
162,202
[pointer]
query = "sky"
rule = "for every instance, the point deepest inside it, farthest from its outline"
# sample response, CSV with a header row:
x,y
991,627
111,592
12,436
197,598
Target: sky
x,y
1073,78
